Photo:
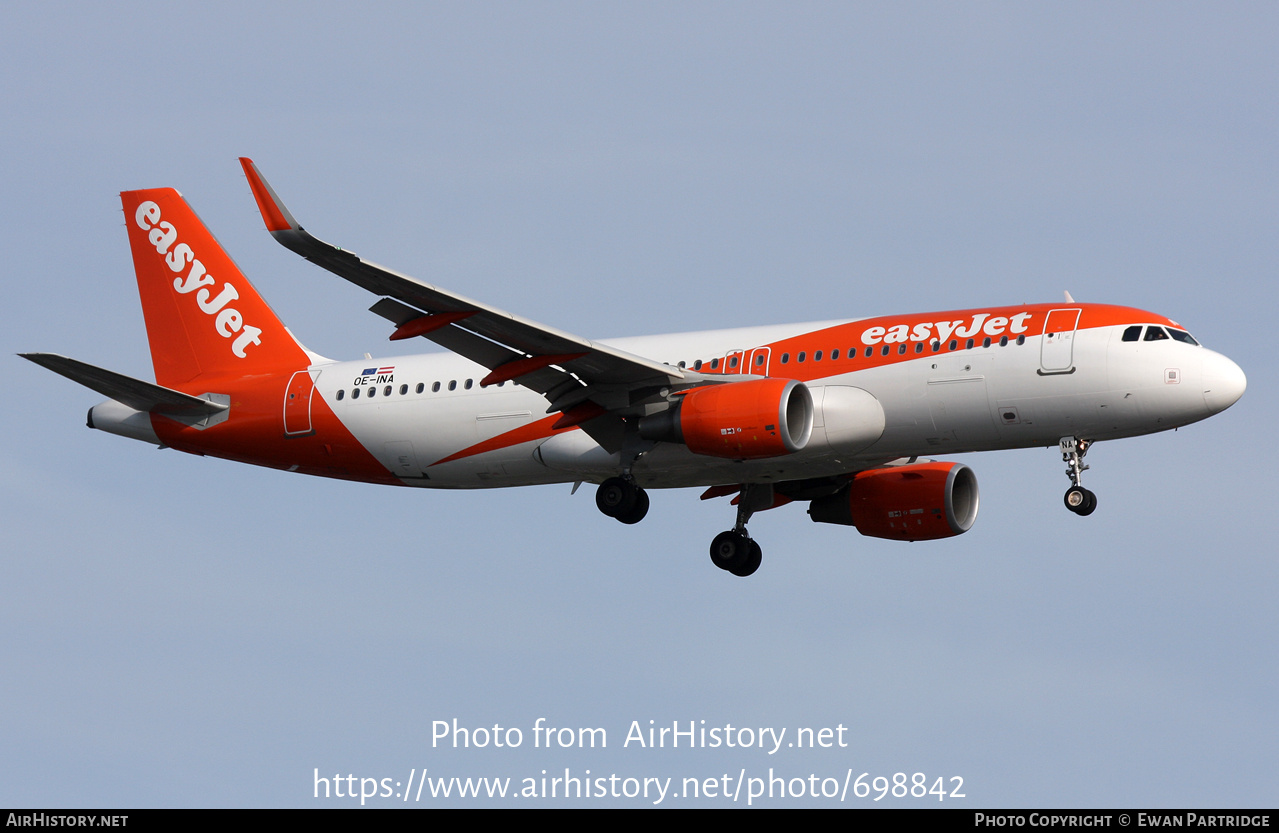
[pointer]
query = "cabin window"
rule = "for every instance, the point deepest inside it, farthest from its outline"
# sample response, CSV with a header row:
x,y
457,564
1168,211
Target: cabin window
x,y
884,352
453,384
341,393
1021,340
680,365
732,362
834,355
919,347
759,360
372,392
817,356
785,358
901,349
468,384
954,344
970,344
1003,342
404,389
697,365
435,388
714,364
386,391
985,342
1133,333
936,346
420,387
802,355
870,351
355,393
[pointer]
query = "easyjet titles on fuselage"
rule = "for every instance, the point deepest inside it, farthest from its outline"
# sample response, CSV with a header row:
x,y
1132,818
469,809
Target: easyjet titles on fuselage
x,y
981,322
227,320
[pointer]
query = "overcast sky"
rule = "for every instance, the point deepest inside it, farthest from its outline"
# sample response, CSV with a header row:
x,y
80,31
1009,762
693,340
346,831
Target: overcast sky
x,y
179,631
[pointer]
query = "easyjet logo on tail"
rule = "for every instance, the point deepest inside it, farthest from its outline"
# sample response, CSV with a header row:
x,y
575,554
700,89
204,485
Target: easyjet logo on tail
x,y
228,321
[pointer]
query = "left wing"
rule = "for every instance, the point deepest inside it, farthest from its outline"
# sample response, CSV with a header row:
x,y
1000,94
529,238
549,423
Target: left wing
x,y
583,378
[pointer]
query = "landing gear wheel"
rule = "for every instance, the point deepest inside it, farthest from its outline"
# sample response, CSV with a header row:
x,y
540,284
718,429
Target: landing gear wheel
x,y
734,552
729,550
638,511
617,497
753,560
1081,501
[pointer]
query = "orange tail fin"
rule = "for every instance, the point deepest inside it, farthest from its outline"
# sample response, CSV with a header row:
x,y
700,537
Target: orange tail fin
x,y
203,316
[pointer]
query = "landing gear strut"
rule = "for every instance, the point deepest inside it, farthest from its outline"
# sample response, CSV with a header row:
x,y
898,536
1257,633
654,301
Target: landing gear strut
x,y
734,550
622,498
1079,500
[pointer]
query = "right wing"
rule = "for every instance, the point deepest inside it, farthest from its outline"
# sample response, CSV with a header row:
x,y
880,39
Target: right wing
x,y
588,381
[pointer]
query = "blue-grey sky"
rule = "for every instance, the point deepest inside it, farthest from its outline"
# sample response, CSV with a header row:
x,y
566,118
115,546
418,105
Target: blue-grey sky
x,y
179,631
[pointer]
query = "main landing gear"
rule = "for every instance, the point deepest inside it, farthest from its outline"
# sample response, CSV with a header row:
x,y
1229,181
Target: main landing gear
x,y
622,498
1079,500
734,550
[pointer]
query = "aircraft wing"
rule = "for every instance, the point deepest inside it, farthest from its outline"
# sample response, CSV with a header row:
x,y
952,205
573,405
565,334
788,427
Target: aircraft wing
x,y
567,369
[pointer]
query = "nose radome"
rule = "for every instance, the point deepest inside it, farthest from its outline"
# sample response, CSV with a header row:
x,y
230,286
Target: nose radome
x,y
1223,382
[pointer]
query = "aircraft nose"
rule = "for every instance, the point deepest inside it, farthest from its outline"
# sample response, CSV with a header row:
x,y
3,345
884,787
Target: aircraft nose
x,y
1223,382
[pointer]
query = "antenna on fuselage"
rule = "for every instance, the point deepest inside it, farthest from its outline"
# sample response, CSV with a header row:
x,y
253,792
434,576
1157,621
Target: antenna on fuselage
x,y
1069,299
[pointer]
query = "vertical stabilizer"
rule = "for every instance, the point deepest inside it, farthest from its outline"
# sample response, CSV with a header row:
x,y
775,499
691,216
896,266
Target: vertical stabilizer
x,y
203,316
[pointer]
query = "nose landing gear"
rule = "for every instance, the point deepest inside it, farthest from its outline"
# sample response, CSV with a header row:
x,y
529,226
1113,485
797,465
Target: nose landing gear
x,y
1079,500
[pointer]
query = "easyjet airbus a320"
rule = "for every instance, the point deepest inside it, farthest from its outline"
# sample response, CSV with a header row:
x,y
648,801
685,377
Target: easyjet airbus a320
x,y
835,414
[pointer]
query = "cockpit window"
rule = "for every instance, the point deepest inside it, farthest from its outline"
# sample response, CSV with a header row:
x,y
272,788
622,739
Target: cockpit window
x,y
1133,333
1155,334
1182,336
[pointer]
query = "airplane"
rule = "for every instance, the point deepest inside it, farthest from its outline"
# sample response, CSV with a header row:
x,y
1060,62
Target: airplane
x,y
843,415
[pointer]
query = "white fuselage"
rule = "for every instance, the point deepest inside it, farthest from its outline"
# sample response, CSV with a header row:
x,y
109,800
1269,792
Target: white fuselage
x,y
1014,396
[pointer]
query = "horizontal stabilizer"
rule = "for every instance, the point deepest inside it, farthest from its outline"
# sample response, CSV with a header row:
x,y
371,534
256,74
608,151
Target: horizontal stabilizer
x,y
137,394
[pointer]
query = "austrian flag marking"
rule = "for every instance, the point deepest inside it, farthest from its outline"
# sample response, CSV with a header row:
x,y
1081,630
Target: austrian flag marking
x,y
376,376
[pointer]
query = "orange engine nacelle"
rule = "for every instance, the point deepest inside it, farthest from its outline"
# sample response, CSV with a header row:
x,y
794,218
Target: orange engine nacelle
x,y
739,420
919,502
